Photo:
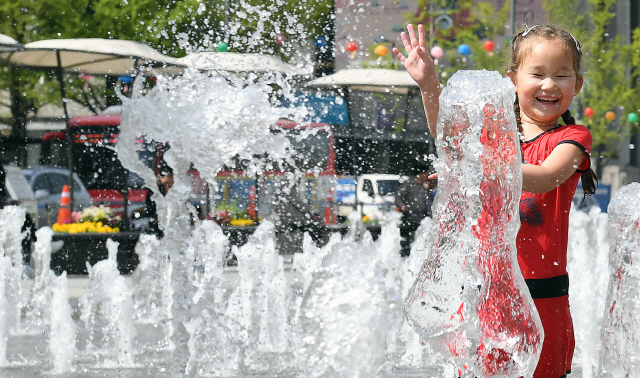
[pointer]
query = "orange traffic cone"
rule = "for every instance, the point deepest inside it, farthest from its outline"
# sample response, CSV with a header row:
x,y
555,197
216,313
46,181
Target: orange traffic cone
x,y
251,209
329,216
64,213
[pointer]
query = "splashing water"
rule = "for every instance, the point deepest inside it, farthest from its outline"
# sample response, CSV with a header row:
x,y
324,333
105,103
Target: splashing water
x,y
5,266
621,346
107,312
11,220
39,303
470,302
588,267
345,318
152,279
341,315
62,337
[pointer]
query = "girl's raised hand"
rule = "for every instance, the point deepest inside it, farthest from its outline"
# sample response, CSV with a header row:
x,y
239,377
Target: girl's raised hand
x,y
421,68
418,62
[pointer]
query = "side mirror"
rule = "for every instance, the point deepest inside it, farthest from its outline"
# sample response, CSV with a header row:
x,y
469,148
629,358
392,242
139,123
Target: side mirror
x,y
41,193
370,193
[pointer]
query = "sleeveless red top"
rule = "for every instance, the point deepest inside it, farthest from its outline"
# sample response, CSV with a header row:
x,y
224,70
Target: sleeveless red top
x,y
544,229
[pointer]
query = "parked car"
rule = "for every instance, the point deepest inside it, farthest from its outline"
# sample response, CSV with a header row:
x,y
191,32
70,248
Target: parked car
x,y
18,190
47,184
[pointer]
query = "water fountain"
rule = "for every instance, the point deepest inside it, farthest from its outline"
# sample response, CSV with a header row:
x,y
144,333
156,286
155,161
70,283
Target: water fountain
x,y
621,349
470,301
336,310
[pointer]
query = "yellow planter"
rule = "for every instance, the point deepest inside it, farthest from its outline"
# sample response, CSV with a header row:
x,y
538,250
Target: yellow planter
x,y
76,228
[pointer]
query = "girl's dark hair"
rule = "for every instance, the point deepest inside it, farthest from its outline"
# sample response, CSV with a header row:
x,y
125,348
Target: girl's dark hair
x,y
549,32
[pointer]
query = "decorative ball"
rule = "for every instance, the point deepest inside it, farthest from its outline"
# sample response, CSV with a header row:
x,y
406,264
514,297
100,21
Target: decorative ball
x,y
222,46
351,46
444,74
489,46
125,79
632,117
610,116
464,49
589,112
280,38
320,41
437,52
381,50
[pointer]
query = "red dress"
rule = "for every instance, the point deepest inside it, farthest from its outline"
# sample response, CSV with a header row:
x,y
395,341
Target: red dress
x,y
542,248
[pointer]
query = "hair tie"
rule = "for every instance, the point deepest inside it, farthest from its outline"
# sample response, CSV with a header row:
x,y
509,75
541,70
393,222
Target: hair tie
x,y
528,30
524,34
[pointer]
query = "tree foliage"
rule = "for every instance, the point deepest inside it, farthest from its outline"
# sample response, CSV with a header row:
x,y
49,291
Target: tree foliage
x,y
174,28
611,68
474,23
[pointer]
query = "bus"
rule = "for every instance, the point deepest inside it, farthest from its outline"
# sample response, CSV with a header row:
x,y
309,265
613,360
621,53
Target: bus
x,y
243,199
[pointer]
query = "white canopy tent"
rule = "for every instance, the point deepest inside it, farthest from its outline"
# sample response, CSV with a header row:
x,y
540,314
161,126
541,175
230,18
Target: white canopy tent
x,y
8,43
367,79
95,56
397,82
237,62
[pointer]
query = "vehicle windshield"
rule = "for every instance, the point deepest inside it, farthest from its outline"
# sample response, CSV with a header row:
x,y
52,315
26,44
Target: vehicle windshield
x,y
388,187
98,166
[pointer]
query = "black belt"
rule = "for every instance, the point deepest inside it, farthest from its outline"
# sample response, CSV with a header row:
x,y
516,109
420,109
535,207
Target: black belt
x,y
549,287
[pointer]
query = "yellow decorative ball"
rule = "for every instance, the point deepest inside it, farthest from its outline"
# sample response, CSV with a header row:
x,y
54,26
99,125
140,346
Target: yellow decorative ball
x,y
381,50
610,116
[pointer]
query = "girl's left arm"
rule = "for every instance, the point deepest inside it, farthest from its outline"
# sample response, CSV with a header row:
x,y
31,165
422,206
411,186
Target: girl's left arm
x,y
563,162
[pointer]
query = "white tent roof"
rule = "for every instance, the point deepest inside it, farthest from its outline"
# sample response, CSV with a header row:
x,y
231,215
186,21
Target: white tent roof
x,y
365,77
236,62
92,55
5,40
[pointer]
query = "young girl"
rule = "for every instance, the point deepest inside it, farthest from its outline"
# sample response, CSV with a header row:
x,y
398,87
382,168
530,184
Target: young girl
x,y
545,69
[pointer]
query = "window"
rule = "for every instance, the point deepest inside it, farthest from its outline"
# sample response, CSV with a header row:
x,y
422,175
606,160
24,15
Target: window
x,y
367,187
58,180
388,187
42,183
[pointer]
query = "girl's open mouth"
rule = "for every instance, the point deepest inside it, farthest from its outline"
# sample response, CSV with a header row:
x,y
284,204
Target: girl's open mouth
x,y
547,100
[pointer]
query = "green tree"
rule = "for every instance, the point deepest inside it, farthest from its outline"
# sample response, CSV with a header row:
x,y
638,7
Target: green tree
x,y
172,27
473,25
610,69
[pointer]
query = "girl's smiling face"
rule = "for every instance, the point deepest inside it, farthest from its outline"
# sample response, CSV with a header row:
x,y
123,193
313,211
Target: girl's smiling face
x,y
546,81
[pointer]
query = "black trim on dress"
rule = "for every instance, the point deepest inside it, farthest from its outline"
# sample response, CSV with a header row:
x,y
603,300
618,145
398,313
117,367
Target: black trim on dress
x,y
583,149
548,287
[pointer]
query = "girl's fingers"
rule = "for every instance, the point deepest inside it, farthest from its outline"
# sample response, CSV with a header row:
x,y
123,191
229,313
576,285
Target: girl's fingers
x,y
423,39
405,41
412,36
422,53
399,55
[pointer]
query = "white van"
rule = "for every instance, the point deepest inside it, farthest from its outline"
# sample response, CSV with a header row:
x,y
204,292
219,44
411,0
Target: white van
x,y
377,193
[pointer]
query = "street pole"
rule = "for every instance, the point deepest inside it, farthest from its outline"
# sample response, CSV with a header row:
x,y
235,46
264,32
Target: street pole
x,y
68,135
512,18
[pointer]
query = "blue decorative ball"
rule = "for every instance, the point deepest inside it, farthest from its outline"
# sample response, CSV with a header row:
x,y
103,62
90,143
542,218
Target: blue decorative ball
x,y
464,49
125,79
320,41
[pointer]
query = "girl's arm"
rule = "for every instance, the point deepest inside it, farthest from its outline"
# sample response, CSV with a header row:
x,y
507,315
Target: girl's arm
x,y
563,162
421,68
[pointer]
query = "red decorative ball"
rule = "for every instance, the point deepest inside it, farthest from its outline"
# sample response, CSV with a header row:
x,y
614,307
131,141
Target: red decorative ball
x,y
589,112
351,46
489,46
